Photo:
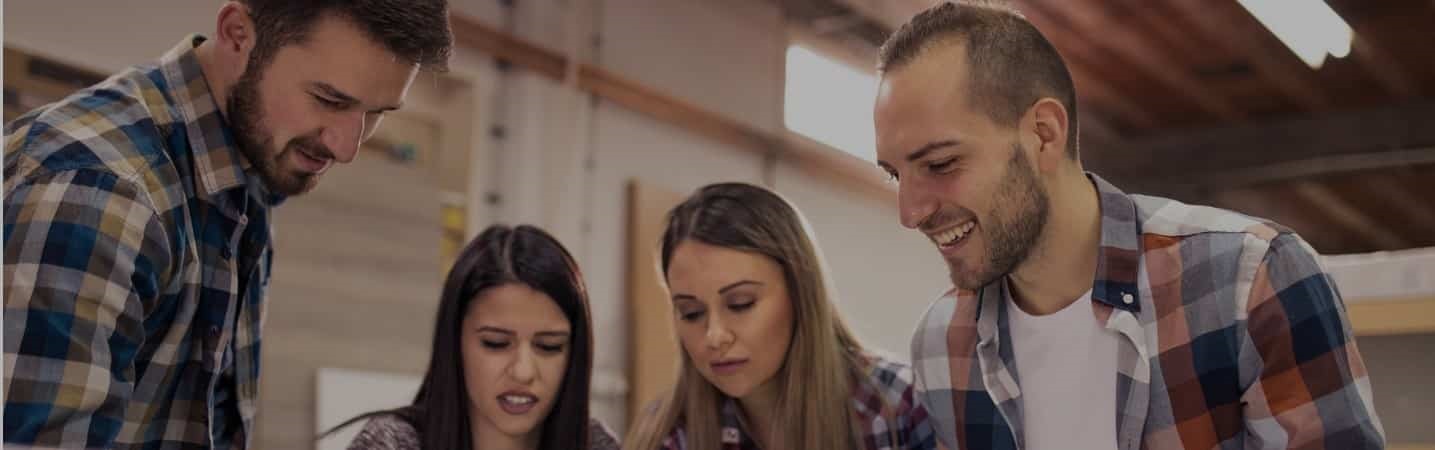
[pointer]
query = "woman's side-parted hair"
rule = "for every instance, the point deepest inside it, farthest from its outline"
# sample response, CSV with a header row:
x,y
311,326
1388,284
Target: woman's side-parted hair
x,y
823,359
502,255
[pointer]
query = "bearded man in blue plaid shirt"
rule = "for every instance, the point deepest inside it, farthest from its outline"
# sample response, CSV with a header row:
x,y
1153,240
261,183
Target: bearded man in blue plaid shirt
x,y
137,216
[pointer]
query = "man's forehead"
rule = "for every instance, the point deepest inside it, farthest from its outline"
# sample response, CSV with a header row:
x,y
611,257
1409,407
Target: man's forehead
x,y
333,39
937,70
916,104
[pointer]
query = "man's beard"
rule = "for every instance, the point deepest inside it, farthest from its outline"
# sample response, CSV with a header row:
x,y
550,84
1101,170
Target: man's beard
x,y
255,142
1017,221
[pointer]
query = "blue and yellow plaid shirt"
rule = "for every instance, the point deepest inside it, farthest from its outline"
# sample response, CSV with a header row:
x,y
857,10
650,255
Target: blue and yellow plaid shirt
x,y
137,250
1231,335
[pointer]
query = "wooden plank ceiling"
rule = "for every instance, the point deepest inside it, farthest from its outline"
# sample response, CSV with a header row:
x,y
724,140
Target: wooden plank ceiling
x,y
1196,100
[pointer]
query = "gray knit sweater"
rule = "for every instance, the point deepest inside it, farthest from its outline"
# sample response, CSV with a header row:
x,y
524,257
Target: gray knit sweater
x,y
388,432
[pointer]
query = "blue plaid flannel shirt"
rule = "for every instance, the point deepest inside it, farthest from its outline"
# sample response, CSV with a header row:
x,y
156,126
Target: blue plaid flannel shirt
x,y
130,224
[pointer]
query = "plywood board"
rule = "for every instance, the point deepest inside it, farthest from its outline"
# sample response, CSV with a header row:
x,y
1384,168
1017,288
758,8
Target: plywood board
x,y
652,344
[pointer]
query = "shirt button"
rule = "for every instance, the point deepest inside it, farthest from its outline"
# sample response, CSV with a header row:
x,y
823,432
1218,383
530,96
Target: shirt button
x,y
1127,298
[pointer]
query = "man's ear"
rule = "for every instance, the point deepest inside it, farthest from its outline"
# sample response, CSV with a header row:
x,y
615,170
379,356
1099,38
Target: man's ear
x,y
1046,124
235,32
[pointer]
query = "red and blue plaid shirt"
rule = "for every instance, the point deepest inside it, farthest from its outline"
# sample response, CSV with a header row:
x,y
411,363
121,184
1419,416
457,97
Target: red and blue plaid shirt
x,y
888,383
1231,335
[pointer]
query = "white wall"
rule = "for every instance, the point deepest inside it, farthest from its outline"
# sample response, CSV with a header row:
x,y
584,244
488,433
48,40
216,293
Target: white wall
x,y
111,35
105,35
884,274
726,56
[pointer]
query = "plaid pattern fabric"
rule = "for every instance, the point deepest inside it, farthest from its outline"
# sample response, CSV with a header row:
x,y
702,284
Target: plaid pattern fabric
x,y
129,228
903,426
1232,336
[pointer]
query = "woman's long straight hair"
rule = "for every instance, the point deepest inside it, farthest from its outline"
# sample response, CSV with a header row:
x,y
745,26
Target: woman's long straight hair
x,y
502,255
823,361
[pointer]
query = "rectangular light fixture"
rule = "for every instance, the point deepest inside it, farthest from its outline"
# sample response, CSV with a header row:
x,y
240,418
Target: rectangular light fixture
x,y
1309,27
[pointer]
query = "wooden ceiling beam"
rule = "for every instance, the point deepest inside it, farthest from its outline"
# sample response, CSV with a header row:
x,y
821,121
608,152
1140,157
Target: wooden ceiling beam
x,y
835,165
1375,56
1239,33
1091,86
828,25
1176,181
507,47
1092,90
1105,103
1352,219
1162,24
1383,67
1276,205
1254,152
889,13
1096,129
610,86
1418,210
1138,50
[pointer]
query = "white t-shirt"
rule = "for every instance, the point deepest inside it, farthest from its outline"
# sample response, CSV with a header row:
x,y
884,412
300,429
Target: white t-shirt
x,y
1066,368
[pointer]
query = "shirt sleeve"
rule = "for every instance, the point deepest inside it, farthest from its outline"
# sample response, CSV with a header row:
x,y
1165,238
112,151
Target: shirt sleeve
x,y
1310,386
600,437
676,440
930,331
916,426
386,432
84,256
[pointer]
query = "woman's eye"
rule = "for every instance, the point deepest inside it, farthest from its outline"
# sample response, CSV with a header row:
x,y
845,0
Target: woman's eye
x,y
496,345
691,316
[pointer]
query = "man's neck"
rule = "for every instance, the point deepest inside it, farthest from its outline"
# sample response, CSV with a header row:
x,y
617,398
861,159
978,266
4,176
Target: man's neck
x,y
215,74
487,437
1062,265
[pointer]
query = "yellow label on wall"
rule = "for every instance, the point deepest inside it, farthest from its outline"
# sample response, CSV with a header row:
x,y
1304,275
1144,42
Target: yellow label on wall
x,y
451,222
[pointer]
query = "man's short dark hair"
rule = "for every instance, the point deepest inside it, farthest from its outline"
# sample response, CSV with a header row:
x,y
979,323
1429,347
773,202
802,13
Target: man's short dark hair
x,y
414,30
1010,64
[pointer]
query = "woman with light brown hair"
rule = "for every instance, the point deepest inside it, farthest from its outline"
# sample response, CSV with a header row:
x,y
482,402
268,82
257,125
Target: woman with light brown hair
x,y
766,360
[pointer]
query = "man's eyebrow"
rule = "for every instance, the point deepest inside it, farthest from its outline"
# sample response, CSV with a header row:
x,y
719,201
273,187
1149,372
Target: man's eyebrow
x,y
331,91
340,97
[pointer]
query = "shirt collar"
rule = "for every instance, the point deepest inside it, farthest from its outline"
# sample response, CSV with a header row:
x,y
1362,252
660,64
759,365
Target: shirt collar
x,y
1119,256
218,164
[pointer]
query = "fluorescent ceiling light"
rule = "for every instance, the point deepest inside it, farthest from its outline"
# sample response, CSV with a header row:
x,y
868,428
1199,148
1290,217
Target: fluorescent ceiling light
x,y
830,102
1309,27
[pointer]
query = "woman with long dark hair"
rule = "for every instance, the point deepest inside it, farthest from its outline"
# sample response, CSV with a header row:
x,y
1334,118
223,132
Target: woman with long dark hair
x,y
512,355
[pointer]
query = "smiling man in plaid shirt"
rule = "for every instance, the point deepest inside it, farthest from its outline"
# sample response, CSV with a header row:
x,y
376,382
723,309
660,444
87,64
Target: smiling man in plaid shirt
x,y
137,216
1083,317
